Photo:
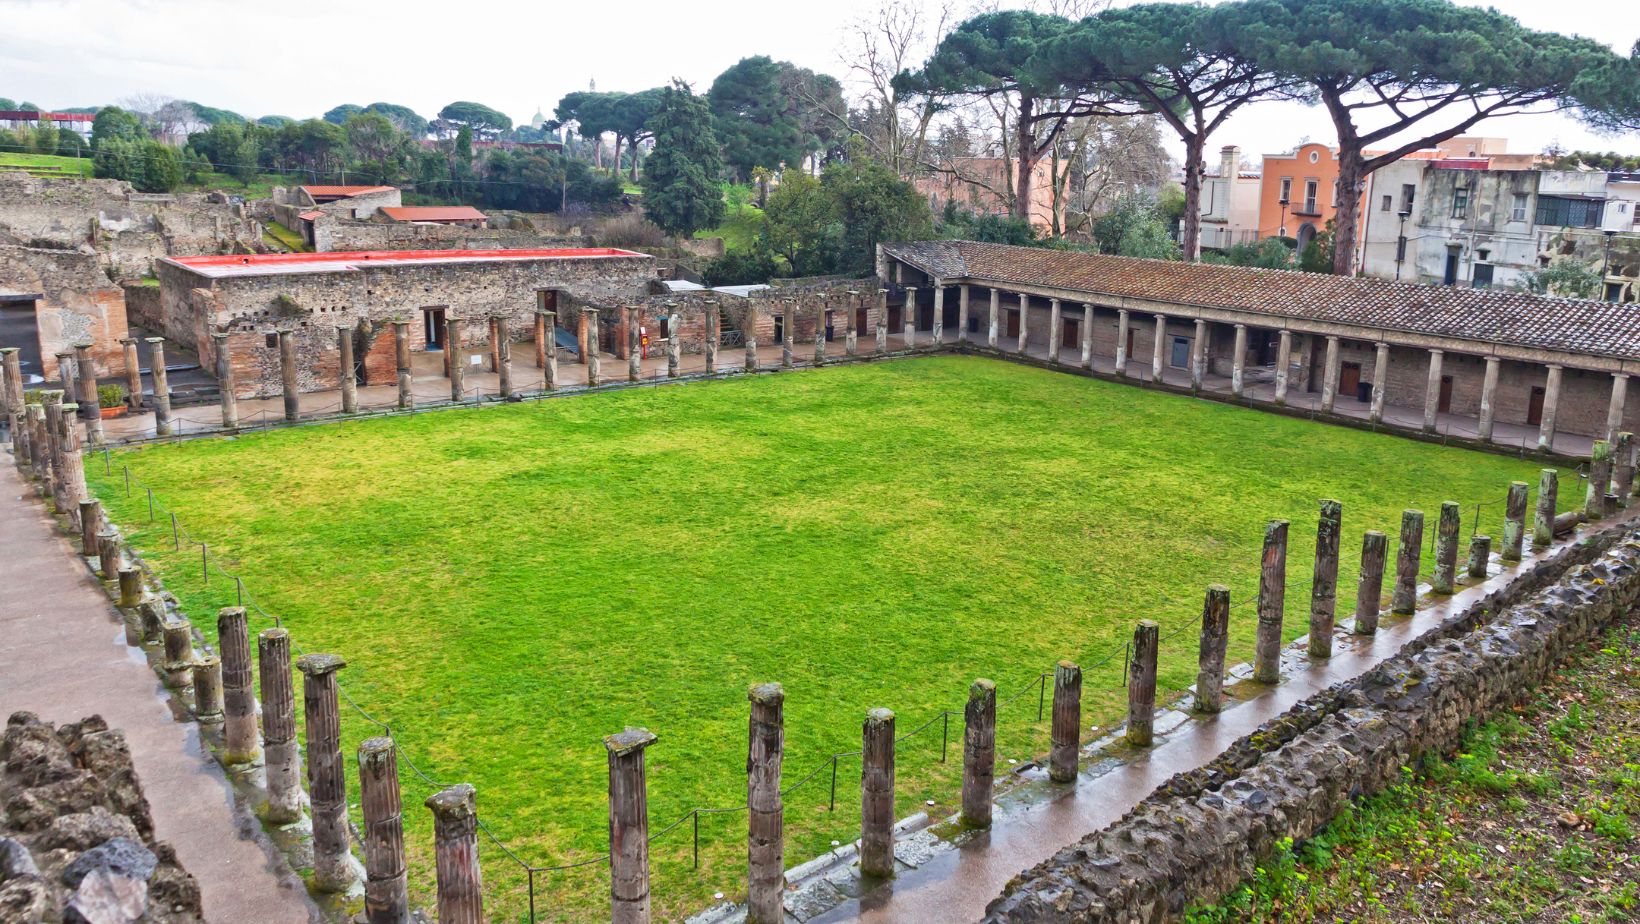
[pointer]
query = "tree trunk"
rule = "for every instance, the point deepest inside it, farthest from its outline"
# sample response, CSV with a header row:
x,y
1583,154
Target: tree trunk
x,y
615,165
1190,232
1026,159
1352,178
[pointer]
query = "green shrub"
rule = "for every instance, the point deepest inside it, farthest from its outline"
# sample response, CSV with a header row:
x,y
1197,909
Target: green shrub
x,y
110,395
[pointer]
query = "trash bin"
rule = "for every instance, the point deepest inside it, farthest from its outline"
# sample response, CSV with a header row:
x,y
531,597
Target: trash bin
x,y
1363,391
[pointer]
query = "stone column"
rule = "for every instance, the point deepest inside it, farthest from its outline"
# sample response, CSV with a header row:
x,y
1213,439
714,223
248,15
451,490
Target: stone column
x,y
1238,363
634,344
1329,380
996,318
584,339
386,893
543,330
66,374
1623,468
133,372
1272,599
495,343
287,372
108,553
90,526
1087,336
73,490
593,357
937,325
1324,583
452,353
749,338
1480,552
877,795
1614,410
12,369
673,346
851,332
1056,329
1543,518
820,331
162,386
344,362
1369,588
1067,722
766,813
908,317
238,695
714,333
455,855
628,827
1489,398
1198,356
1432,391
51,438
882,322
327,779
1551,405
1141,716
90,403
208,690
178,666
1404,597
284,765
979,753
501,354
401,362
1121,341
1514,522
1446,547
549,350
1380,383
1215,640
962,313
788,316
1594,498
1024,323
1158,349
1284,363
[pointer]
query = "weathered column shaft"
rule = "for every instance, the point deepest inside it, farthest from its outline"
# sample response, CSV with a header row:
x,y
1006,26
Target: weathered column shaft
x,y
1324,584
345,369
90,402
1198,356
287,372
995,319
714,334
766,813
1600,480
1514,521
1380,383
1087,336
1215,640
327,779
501,350
11,374
108,554
788,332
283,762
634,343
1614,409
1284,362
401,362
936,326
386,893
208,689
1067,722
1272,600
877,795
238,694
979,753
1158,348
1056,329
1489,398
851,327
1369,588
1446,548
1623,468
133,372
1432,391
178,663
594,354
543,330
908,317
73,484
130,579
162,386
452,356
1238,363
1329,380
549,350
962,313
1543,517
1551,405
1141,716
455,855
749,338
1408,555
628,827
1480,553
90,526
674,356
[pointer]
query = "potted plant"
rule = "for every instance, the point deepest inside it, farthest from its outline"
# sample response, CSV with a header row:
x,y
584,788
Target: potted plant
x,y
112,399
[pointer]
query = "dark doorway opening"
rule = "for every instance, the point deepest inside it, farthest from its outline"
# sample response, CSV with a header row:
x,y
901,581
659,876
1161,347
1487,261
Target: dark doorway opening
x,y
1349,379
433,318
1070,333
1444,402
1450,277
860,319
951,311
779,328
896,318
19,327
1013,322
1534,406
1130,343
829,323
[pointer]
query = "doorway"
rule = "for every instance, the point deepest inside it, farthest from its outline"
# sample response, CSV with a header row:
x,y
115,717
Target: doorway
x,y
1450,277
1013,322
1070,333
1444,402
779,328
829,325
896,317
1180,357
1349,379
860,319
950,313
1129,352
433,319
19,328
1534,406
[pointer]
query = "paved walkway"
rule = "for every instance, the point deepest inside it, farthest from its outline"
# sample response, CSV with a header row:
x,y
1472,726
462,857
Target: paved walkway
x,y
63,656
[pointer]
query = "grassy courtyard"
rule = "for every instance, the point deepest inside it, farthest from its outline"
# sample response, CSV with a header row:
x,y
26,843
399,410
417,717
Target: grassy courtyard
x,y
509,585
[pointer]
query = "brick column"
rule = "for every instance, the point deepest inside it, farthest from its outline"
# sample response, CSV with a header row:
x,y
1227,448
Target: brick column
x,y
327,780
583,339
1158,349
1238,363
1432,391
495,343
401,361
90,403
233,643
162,386
1614,409
1489,398
287,372
766,814
386,894
1329,380
1551,405
283,763
996,318
1055,330
628,826
1380,383
345,369
133,372
455,855
1284,362
543,330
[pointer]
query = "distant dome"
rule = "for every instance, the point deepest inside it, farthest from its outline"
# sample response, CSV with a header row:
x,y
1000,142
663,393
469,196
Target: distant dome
x,y
538,120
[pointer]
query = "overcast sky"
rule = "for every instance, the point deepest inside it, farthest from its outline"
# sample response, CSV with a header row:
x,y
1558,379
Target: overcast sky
x,y
300,59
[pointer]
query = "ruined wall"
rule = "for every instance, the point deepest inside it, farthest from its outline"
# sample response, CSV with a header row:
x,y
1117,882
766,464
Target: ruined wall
x,y
142,305
336,234
1201,833
78,304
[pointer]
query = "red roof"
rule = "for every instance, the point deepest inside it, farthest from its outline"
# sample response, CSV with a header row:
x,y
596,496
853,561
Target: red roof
x,y
343,192
30,115
311,216
351,261
432,213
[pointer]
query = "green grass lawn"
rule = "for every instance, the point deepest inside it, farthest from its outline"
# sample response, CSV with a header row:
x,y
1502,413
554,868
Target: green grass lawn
x,y
509,585
68,165
742,224
281,237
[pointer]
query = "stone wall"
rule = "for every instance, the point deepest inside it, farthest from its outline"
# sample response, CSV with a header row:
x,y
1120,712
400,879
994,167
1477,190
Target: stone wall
x,y
339,234
1200,834
76,838
142,305
77,303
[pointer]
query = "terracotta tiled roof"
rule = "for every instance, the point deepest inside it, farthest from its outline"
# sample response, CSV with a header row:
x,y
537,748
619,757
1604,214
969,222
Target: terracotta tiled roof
x,y
343,192
432,213
1593,328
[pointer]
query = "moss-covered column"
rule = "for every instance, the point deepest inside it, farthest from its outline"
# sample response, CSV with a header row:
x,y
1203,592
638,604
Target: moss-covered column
x,y
455,855
979,753
401,363
1324,582
162,386
1055,329
1404,597
1480,552
1600,480
1623,468
345,372
283,762
1551,407
1369,587
1215,640
1284,365
1514,521
238,695
628,826
452,357
1141,715
1067,722
995,319
908,319
327,778
877,794
1329,377
766,813
1489,399
287,372
130,583
1446,548
1272,599
386,892
90,403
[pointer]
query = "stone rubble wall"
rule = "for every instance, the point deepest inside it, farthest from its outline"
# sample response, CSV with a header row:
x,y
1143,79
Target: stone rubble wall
x,y
1201,834
76,837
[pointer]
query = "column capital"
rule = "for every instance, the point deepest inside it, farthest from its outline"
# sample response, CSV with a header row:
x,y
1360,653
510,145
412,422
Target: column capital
x,y
219,335
154,339
318,665
1554,367
767,693
1437,351
1332,338
1238,326
83,345
633,739
128,339
8,350
1620,375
